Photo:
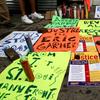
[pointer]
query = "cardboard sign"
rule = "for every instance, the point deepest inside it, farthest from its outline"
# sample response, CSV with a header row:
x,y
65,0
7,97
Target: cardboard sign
x,y
49,69
57,22
13,90
97,43
2,54
89,24
89,27
56,19
4,94
59,39
16,40
92,31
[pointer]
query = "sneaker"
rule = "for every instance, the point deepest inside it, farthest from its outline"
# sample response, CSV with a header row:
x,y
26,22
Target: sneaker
x,y
26,20
36,15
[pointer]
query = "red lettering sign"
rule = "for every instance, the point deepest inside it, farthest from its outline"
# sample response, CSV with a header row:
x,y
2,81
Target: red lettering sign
x,y
58,39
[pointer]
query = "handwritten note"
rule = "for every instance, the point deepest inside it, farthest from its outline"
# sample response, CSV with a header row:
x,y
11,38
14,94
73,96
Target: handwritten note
x,y
49,69
59,39
58,22
17,41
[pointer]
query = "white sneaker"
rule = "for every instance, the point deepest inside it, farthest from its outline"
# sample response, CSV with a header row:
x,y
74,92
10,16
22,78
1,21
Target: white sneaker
x,y
36,15
26,20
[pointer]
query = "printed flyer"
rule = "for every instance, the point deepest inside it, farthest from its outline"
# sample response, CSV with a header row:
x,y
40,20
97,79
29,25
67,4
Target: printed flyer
x,y
86,44
84,69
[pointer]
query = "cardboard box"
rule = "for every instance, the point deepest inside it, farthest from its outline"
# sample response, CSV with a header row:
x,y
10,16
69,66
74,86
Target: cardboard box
x,y
49,14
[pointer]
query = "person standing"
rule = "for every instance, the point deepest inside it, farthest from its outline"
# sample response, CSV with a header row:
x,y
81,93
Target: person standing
x,y
29,19
4,14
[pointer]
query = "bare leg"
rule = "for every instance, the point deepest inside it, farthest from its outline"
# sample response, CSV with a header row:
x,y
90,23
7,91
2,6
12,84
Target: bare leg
x,y
34,14
32,3
22,7
24,17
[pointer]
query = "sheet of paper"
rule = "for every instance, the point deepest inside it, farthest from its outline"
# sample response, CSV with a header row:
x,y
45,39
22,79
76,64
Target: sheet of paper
x,y
76,73
86,43
97,12
84,72
86,46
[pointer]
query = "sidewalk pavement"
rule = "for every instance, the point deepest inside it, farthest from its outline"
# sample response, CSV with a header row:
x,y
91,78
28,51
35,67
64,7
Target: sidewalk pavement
x,y
19,26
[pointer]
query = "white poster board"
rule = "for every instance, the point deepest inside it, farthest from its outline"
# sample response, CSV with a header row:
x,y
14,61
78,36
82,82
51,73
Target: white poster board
x,y
97,12
16,40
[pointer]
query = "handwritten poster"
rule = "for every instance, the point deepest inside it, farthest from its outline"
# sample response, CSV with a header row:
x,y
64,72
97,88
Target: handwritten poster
x,y
2,54
97,43
58,22
58,39
89,27
92,31
48,68
89,24
17,41
6,95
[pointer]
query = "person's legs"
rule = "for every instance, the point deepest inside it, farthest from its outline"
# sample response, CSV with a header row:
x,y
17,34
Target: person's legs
x,y
33,7
22,7
5,19
24,17
4,12
34,13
